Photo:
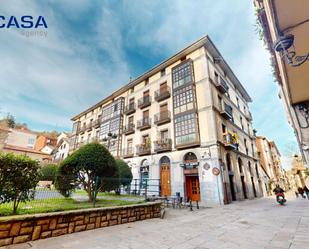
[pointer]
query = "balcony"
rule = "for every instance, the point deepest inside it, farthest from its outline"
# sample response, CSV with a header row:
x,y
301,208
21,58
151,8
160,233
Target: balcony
x,y
227,111
129,129
144,123
144,102
89,126
162,94
129,109
248,116
128,152
162,118
143,149
221,85
83,129
163,145
230,140
96,123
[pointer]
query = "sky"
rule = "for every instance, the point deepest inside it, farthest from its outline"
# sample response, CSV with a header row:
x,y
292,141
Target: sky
x,y
92,48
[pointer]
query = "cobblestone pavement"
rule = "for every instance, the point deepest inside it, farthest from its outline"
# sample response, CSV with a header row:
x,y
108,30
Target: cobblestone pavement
x,y
251,224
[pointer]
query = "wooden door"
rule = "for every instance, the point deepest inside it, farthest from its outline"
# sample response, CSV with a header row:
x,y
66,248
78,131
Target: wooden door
x,y
165,177
193,188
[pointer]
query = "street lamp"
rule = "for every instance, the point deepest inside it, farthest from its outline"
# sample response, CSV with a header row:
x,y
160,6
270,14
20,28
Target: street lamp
x,y
109,138
285,46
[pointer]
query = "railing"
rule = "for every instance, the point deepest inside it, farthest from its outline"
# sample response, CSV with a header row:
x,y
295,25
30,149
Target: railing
x,y
89,126
162,117
230,140
83,129
144,102
144,123
128,152
248,115
162,93
163,145
96,123
129,129
226,111
143,149
130,108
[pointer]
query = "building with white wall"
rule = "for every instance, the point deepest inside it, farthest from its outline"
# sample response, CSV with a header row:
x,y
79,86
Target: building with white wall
x,y
185,124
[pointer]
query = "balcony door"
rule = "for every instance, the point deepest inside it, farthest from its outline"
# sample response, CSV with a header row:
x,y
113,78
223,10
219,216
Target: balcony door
x,y
164,135
165,176
146,117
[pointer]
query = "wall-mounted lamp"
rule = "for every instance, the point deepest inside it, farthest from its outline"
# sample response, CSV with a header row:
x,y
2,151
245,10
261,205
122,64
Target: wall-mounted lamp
x,y
302,113
285,46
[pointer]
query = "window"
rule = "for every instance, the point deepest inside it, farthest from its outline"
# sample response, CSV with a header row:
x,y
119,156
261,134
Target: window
x,y
130,144
183,58
186,129
146,82
30,141
237,99
219,102
241,123
145,139
88,138
163,86
223,128
183,99
245,142
182,74
131,120
97,134
164,134
132,90
162,72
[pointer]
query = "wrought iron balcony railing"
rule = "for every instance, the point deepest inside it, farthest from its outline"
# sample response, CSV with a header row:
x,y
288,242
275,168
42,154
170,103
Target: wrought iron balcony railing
x,y
162,117
226,111
144,102
129,129
163,145
230,140
143,149
128,152
162,94
144,123
129,109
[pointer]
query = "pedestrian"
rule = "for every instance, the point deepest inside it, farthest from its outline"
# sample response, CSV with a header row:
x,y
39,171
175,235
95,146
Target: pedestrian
x,y
306,190
301,192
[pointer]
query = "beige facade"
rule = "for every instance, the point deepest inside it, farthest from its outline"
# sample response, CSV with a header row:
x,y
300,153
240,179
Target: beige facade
x,y
185,123
285,28
21,141
271,162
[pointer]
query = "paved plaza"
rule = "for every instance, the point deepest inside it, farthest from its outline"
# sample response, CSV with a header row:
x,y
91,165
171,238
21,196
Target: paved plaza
x,y
252,224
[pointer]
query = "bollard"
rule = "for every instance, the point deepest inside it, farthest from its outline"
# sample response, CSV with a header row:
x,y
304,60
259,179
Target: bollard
x,y
197,206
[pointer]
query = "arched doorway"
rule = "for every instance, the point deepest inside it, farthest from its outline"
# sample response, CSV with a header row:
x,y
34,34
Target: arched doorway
x,y
242,178
165,176
252,179
231,176
192,184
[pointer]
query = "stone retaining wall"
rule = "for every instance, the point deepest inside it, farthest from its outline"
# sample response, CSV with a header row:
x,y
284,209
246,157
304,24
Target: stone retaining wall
x,y
19,229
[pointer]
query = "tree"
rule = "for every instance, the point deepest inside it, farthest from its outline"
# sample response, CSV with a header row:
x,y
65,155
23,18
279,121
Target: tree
x,y
48,172
8,121
19,176
122,178
83,168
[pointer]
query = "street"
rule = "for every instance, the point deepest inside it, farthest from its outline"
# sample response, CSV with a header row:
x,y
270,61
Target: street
x,y
259,223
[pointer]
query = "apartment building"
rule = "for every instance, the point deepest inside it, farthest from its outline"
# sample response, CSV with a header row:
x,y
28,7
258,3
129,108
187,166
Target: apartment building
x,y
285,29
270,162
186,123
